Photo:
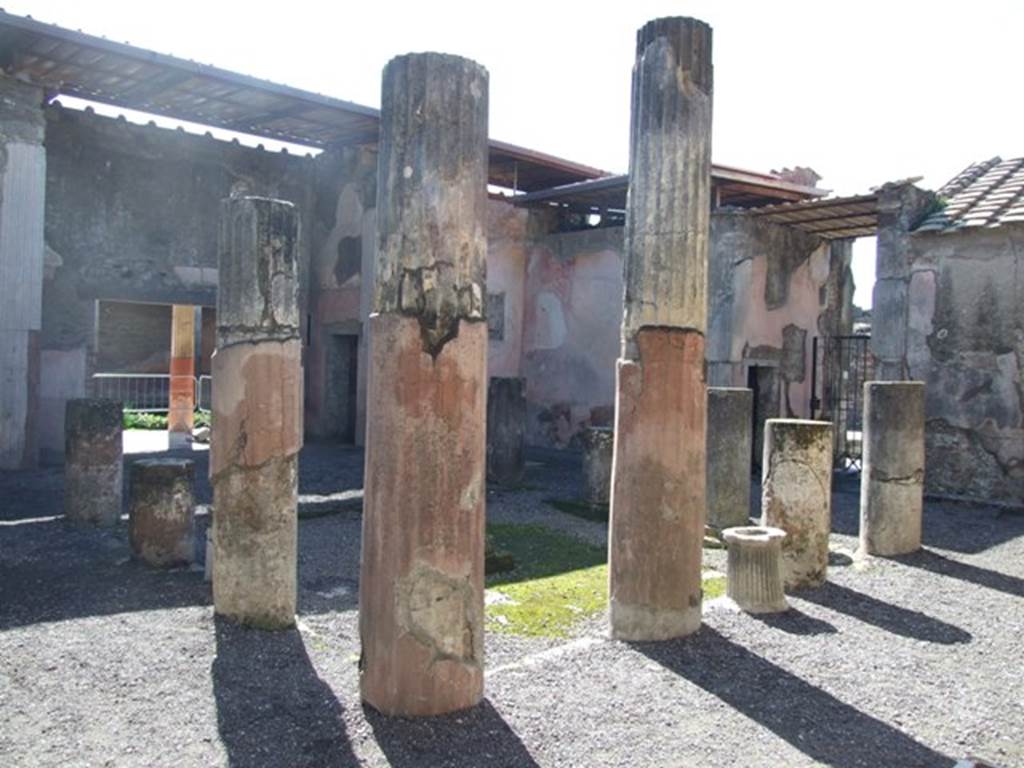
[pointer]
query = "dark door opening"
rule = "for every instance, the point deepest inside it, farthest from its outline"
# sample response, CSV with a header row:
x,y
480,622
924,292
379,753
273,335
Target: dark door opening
x,y
340,391
764,381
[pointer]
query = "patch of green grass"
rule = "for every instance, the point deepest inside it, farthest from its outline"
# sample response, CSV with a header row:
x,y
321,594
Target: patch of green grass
x,y
713,587
558,581
137,420
597,514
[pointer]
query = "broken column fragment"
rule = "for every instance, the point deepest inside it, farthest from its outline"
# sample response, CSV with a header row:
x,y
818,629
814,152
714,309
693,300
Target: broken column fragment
x,y
506,430
730,422
257,414
421,602
892,477
161,511
182,401
93,460
658,489
754,575
598,449
796,495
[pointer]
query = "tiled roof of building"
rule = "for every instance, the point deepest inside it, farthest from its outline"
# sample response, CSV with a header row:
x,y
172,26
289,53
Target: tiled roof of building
x,y
985,194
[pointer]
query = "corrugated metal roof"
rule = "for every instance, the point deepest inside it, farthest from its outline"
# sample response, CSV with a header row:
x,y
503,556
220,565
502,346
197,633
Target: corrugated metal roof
x,y
985,194
94,68
834,218
733,186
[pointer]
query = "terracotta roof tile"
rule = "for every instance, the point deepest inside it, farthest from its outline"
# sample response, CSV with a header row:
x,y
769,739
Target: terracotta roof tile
x,y
984,194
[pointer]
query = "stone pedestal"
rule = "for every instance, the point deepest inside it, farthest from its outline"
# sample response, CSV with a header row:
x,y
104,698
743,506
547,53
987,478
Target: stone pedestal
x,y
796,496
754,570
892,478
506,430
658,489
182,405
161,511
257,415
421,606
22,207
598,449
730,420
93,465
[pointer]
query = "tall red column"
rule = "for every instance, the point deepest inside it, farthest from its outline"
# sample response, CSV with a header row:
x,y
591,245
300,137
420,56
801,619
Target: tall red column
x,y
181,409
658,484
421,585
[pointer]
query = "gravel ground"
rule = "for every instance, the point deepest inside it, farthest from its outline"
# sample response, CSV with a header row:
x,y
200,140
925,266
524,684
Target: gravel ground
x,y
907,662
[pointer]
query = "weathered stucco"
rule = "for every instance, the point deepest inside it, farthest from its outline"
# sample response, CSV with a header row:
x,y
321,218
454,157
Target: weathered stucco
x,y
132,214
964,337
769,296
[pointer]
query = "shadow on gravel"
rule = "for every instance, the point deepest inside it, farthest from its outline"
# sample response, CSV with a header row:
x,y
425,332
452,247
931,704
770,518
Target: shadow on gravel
x,y
795,623
891,618
812,720
936,563
56,571
272,707
475,737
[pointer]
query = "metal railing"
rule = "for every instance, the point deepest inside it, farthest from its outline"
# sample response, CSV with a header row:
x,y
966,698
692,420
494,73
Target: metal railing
x,y
842,364
139,392
204,392
147,392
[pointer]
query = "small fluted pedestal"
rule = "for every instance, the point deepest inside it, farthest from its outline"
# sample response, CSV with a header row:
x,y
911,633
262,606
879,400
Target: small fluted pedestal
x,y
754,574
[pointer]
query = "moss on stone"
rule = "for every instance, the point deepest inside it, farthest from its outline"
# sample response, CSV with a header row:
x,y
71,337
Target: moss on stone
x,y
558,582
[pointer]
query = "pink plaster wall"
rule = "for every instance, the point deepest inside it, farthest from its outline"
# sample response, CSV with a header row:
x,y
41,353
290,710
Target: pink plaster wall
x,y
573,311
507,246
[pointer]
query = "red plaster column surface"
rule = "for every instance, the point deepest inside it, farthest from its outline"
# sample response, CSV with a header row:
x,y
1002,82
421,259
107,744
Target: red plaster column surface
x,y
257,415
658,487
421,603
180,413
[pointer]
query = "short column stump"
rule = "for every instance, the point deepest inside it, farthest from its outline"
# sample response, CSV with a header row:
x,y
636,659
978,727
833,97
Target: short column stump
x,y
161,510
754,573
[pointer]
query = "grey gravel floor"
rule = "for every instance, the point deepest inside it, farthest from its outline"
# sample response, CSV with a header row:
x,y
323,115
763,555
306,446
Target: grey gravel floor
x,y
907,662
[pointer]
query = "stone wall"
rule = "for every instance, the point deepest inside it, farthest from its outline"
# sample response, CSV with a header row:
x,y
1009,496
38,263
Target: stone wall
x,y
772,289
572,314
132,214
965,339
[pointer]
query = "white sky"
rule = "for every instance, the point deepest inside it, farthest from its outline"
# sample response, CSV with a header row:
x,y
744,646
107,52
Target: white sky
x,y
863,92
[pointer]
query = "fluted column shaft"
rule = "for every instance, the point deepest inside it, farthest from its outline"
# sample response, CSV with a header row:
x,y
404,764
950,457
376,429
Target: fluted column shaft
x,y
658,488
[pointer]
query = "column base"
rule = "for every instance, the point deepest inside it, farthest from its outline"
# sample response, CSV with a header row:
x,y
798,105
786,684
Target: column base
x,y
641,623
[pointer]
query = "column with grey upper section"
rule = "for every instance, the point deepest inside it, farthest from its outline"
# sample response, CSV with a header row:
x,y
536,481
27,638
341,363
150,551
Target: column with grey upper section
x,y
901,206
892,478
22,206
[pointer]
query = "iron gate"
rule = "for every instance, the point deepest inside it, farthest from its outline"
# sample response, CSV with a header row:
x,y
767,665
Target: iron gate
x,y
841,365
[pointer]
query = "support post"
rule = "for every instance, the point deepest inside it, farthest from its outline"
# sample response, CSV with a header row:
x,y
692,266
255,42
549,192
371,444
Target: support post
x,y
421,602
892,476
796,496
730,423
161,511
658,488
506,430
93,461
22,208
181,409
257,414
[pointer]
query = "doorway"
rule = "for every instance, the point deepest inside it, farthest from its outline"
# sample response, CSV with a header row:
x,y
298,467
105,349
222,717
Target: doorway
x,y
764,381
340,390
